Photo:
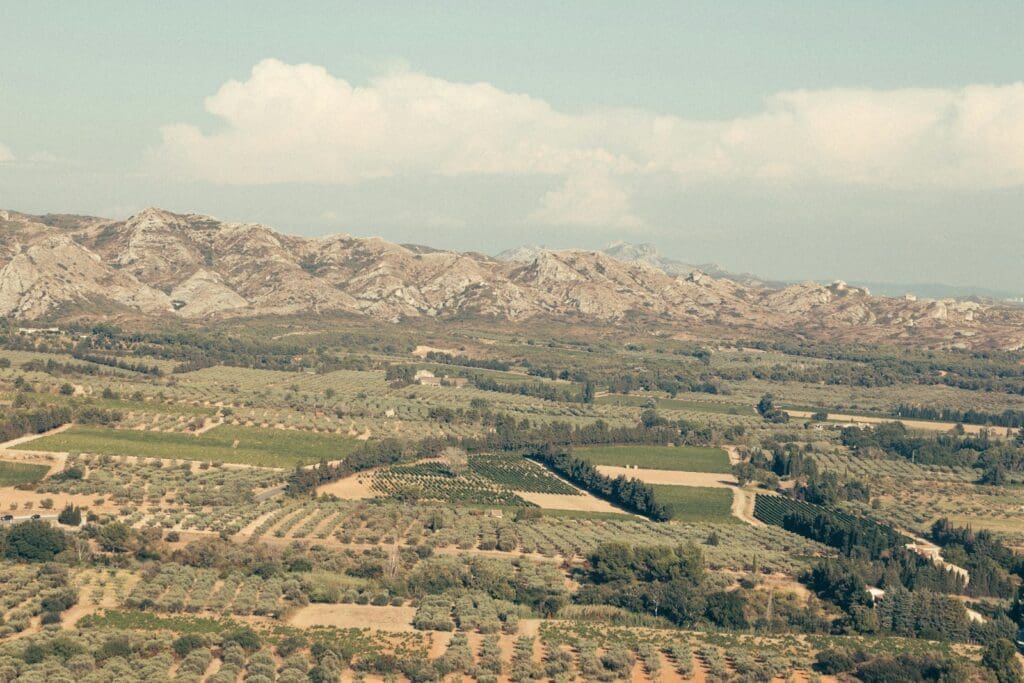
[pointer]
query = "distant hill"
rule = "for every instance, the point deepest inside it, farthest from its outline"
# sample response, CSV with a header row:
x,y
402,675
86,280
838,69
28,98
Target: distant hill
x,y
162,264
939,291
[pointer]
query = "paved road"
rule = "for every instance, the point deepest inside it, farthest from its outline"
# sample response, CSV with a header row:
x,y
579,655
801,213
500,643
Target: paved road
x,y
25,518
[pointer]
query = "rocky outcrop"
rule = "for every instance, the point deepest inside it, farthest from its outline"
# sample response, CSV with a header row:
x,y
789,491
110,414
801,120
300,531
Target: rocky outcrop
x,y
197,267
54,272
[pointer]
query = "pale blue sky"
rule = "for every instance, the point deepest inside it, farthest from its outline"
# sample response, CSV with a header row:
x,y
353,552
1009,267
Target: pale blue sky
x,y
85,89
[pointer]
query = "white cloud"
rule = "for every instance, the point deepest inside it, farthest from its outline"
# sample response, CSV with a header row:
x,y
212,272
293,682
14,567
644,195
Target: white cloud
x,y
299,123
587,199
5,153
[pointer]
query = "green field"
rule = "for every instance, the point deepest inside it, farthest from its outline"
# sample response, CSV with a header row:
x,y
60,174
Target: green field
x,y
14,473
676,404
679,458
696,503
263,447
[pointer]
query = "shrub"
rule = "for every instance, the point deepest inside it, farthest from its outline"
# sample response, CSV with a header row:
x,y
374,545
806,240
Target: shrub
x,y
290,645
245,637
832,662
188,642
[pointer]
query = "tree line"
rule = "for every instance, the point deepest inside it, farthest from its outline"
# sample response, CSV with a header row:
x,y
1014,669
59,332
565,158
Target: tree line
x,y
631,494
1007,418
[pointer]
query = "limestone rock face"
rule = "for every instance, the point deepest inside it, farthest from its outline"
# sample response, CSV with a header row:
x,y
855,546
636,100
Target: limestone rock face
x,y
159,263
204,294
54,271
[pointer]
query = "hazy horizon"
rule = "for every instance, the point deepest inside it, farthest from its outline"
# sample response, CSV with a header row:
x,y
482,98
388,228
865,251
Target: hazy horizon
x,y
866,143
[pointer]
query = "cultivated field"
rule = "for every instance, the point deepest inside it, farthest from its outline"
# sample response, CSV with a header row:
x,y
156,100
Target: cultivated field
x,y
241,445
681,458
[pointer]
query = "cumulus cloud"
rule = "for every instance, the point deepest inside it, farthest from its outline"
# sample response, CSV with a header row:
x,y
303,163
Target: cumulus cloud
x,y
589,198
299,123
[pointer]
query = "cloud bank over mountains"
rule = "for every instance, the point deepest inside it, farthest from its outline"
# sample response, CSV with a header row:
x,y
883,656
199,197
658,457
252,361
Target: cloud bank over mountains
x,y
298,123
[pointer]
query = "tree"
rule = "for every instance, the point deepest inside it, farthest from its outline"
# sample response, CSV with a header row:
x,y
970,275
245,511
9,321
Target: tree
x,y
769,411
725,609
114,537
35,541
766,405
744,472
71,515
834,661
1000,658
67,389
612,561
995,475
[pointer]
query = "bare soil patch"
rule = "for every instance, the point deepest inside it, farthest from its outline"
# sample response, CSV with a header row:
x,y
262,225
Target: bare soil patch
x,y
560,501
743,506
422,351
355,487
354,616
671,477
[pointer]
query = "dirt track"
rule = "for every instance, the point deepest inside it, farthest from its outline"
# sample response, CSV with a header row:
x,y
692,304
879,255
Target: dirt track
x,y
909,424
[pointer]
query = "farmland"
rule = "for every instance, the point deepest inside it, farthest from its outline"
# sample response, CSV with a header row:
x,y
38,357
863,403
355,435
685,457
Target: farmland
x,y
241,445
678,458
433,543
695,405
14,473
696,504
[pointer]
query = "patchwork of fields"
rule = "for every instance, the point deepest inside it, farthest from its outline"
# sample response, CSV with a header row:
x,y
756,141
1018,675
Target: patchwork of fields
x,y
436,539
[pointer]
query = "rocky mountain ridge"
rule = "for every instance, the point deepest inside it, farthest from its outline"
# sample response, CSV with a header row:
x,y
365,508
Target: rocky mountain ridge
x,y
158,263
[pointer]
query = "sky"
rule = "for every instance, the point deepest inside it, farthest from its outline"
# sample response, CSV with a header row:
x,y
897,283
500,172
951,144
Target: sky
x,y
867,141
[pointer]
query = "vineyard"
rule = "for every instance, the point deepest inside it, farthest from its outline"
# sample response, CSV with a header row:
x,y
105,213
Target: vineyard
x,y
776,510
678,458
14,473
696,503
